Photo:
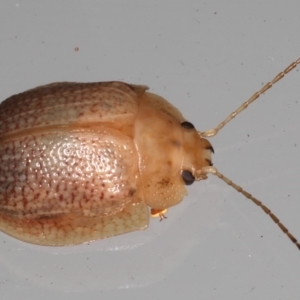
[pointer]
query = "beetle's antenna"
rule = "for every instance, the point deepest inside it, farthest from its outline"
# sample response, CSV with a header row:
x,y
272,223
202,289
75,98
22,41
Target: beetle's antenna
x,y
214,131
214,171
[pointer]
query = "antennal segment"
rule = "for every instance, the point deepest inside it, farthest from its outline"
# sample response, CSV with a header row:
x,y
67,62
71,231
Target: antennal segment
x,y
214,131
214,171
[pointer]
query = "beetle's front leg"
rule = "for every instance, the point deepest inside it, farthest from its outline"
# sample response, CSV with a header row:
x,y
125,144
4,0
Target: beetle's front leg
x,y
158,213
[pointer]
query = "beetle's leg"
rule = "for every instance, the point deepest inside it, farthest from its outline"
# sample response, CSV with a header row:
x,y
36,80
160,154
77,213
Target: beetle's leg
x,y
214,171
155,213
214,131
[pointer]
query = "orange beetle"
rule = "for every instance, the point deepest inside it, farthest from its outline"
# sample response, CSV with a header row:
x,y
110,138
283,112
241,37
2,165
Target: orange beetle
x,y
84,161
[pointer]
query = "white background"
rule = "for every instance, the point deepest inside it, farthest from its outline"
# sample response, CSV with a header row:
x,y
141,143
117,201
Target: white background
x,y
206,57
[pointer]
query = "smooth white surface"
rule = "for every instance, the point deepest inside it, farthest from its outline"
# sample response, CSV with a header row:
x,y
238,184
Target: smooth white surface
x,y
206,58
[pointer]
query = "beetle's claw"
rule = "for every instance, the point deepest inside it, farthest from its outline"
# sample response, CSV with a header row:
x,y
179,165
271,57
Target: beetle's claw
x,y
158,213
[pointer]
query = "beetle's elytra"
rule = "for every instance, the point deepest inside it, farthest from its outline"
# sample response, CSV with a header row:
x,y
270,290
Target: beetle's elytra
x,y
84,161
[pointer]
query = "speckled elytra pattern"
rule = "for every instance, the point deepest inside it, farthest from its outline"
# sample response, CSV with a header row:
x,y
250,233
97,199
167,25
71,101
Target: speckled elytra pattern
x,y
82,161
62,172
74,228
68,170
67,103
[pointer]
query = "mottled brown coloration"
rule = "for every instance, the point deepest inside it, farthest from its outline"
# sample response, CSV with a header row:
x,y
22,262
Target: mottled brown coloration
x,y
77,158
82,161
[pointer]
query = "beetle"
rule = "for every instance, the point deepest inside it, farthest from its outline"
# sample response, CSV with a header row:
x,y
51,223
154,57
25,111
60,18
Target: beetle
x,y
84,161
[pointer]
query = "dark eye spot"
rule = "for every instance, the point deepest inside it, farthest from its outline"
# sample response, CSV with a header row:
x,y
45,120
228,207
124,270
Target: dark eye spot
x,y
187,177
187,125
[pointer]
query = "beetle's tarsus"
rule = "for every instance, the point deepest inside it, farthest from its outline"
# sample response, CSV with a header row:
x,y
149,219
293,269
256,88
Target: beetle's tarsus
x,y
158,213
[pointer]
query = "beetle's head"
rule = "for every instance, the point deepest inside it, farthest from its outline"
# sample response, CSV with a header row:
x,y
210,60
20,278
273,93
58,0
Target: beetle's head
x,y
196,154
171,152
